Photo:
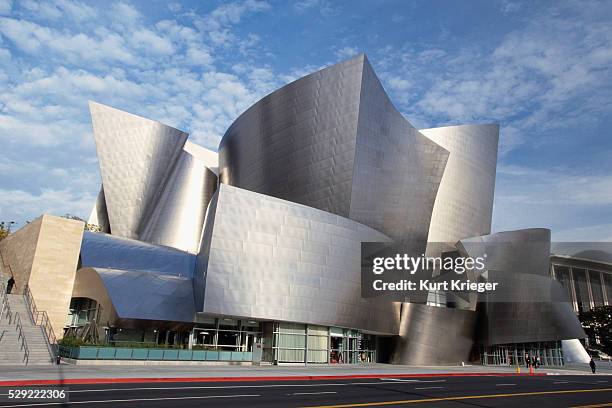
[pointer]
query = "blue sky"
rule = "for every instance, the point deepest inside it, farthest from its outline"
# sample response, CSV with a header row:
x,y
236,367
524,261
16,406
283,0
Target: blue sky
x,y
540,69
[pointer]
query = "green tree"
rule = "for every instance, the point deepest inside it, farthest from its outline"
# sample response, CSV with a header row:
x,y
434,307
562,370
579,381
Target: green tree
x,y
597,324
4,230
88,226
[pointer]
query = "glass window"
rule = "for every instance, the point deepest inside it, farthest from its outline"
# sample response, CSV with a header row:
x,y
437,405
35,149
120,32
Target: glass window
x,y
290,342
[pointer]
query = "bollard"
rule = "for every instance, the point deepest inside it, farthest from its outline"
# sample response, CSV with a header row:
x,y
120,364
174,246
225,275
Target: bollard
x,y
531,370
518,369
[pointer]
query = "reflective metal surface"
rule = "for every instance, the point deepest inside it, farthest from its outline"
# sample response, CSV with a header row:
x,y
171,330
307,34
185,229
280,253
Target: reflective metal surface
x,y
136,156
277,260
108,251
334,141
160,297
99,213
298,143
352,169
464,203
178,216
396,172
432,335
520,259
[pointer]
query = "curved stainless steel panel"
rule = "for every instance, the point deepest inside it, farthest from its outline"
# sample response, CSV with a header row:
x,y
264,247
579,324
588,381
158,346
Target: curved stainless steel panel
x,y
99,213
464,204
277,260
396,172
135,156
520,260
178,217
160,297
334,141
298,143
432,335
108,251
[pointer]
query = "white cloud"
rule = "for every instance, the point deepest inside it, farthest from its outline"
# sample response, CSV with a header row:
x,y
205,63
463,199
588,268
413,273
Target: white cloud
x,y
398,84
174,7
566,201
324,7
305,4
510,7
592,233
230,13
6,6
58,9
23,204
148,41
125,13
34,39
346,52
198,56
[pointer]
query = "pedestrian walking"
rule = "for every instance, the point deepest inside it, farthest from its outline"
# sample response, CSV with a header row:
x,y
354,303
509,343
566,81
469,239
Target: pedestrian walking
x,y
9,285
527,360
592,365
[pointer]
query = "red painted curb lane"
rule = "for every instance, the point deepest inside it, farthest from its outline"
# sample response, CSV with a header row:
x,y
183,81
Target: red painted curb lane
x,y
69,381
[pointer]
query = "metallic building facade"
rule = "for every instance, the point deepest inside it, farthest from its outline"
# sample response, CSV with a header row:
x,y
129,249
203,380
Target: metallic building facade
x,y
298,143
432,335
464,203
270,228
533,306
178,216
135,155
277,260
334,141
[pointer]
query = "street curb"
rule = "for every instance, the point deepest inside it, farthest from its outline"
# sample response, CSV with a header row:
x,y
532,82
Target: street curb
x,y
68,381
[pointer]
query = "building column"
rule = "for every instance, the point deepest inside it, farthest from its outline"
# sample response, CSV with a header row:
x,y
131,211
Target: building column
x,y
604,289
190,346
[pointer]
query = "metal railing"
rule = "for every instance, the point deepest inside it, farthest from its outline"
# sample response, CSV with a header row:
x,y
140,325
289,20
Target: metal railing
x,y
16,319
21,336
5,304
40,318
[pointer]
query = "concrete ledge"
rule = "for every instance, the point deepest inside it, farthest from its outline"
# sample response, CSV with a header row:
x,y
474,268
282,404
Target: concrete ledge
x,y
74,361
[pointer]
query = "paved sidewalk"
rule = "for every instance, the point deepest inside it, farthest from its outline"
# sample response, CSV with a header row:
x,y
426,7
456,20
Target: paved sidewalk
x,y
66,371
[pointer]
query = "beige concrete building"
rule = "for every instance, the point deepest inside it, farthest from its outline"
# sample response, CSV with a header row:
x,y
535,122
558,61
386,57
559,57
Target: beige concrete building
x,y
44,255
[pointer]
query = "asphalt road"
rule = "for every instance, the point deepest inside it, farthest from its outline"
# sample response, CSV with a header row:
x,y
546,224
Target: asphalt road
x,y
546,391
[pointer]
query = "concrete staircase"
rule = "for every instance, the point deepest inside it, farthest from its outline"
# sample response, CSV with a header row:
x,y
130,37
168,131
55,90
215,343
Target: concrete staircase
x,y
11,352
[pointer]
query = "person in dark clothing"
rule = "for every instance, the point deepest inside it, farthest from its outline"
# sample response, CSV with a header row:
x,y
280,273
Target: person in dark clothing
x,y
527,360
592,365
9,285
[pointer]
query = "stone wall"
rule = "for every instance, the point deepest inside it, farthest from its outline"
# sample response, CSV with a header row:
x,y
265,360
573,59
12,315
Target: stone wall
x,y
44,255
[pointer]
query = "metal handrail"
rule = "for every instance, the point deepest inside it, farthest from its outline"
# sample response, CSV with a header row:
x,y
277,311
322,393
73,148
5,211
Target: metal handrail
x,y
21,336
40,317
7,308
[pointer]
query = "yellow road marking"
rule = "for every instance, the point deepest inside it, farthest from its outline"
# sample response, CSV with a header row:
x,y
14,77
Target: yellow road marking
x,y
463,397
605,404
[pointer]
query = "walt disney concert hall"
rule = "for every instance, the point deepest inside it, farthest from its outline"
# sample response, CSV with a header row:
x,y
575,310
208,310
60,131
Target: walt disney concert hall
x,y
254,250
